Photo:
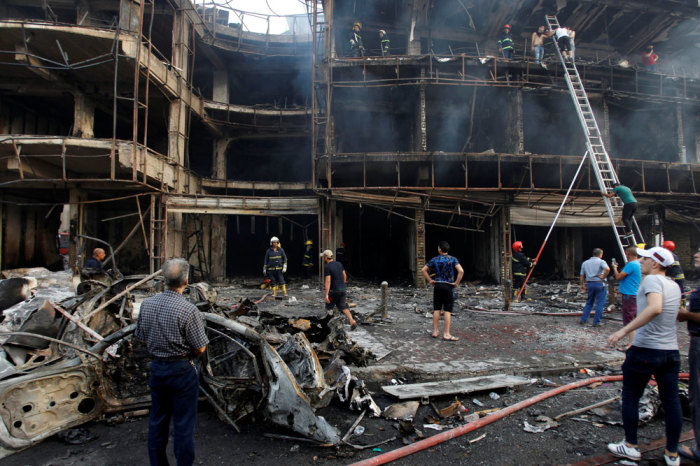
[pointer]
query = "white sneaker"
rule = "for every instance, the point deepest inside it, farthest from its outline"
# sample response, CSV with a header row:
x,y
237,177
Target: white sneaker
x,y
621,450
672,460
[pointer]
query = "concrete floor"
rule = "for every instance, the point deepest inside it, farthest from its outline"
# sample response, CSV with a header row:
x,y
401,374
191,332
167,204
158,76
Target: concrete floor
x,y
491,341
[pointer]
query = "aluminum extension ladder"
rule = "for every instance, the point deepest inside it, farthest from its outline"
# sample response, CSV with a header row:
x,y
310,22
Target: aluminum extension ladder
x,y
602,166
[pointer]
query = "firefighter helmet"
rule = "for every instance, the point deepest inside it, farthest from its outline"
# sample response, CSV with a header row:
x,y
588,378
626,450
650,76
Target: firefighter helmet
x,y
274,239
358,24
506,26
518,246
309,242
670,245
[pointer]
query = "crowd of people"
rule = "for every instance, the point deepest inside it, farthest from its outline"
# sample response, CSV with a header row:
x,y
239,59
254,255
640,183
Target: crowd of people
x,y
564,36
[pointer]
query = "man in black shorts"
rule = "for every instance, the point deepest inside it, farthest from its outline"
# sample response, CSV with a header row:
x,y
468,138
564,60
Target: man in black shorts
x,y
444,284
334,279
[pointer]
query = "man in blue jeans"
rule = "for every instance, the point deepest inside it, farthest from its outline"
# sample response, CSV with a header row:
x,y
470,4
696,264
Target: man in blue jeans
x,y
173,331
593,273
654,351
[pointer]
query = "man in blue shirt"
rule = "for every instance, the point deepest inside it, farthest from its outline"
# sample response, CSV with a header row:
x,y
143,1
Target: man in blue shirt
x,y
444,284
593,273
629,278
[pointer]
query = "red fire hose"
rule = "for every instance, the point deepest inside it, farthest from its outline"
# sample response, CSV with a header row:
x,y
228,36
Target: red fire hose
x,y
466,428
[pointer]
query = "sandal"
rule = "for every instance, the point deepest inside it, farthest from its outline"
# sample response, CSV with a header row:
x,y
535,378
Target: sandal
x,y
688,453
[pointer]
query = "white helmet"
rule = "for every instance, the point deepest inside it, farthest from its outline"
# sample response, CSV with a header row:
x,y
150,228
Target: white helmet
x,y
274,239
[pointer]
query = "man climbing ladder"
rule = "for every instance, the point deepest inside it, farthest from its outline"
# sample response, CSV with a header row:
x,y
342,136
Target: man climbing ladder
x,y
627,234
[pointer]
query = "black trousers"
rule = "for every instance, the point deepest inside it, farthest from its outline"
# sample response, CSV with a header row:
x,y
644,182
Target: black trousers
x,y
628,211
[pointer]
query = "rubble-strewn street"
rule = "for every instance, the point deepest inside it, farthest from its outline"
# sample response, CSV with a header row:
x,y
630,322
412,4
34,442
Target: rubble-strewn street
x,y
262,348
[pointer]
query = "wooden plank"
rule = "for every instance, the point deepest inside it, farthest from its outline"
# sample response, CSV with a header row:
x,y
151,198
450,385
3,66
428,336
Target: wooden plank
x,y
452,387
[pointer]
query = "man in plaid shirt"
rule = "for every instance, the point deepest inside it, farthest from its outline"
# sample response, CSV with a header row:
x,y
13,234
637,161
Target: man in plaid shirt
x,y
173,331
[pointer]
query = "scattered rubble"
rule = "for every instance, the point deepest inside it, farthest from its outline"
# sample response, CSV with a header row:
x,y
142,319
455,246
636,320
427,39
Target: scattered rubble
x,y
69,360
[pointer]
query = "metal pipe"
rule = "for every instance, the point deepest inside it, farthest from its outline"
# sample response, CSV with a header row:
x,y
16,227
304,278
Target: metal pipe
x,y
554,222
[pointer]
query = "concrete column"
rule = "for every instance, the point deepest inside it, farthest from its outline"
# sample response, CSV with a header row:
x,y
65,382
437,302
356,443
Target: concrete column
x,y
337,225
682,155
221,91
177,119
420,140
175,237
129,15
219,159
217,247
83,116
505,250
514,134
181,43
494,254
419,247
76,228
177,131
419,17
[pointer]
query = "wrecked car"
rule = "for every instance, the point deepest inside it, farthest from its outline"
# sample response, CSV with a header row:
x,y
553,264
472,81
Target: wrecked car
x,y
74,361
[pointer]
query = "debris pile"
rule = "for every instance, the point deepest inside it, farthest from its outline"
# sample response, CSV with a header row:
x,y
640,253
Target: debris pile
x,y
69,358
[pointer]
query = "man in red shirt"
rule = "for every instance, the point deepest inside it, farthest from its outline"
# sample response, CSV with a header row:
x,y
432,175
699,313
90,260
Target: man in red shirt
x,y
649,59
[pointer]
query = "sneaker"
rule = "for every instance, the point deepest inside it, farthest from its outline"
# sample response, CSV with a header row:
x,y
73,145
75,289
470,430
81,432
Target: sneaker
x,y
581,322
672,460
621,450
599,324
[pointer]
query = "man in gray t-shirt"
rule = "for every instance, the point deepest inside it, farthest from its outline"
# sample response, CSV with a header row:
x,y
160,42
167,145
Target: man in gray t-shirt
x,y
654,351
593,273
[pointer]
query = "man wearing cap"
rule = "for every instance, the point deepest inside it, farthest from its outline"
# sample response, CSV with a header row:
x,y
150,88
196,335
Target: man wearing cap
x,y
691,314
384,42
654,351
629,204
307,262
593,273
505,43
354,44
334,280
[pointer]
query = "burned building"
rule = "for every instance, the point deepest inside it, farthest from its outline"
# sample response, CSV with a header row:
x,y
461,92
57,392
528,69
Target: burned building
x,y
170,128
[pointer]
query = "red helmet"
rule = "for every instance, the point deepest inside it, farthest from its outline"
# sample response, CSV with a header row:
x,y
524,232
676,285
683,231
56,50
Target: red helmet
x,y
507,26
670,245
518,246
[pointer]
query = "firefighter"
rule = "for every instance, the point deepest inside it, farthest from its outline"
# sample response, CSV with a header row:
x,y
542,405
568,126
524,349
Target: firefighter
x,y
307,262
354,44
384,42
676,272
505,43
521,265
275,266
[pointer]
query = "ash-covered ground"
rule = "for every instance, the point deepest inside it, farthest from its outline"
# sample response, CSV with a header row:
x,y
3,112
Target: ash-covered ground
x,y
540,338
